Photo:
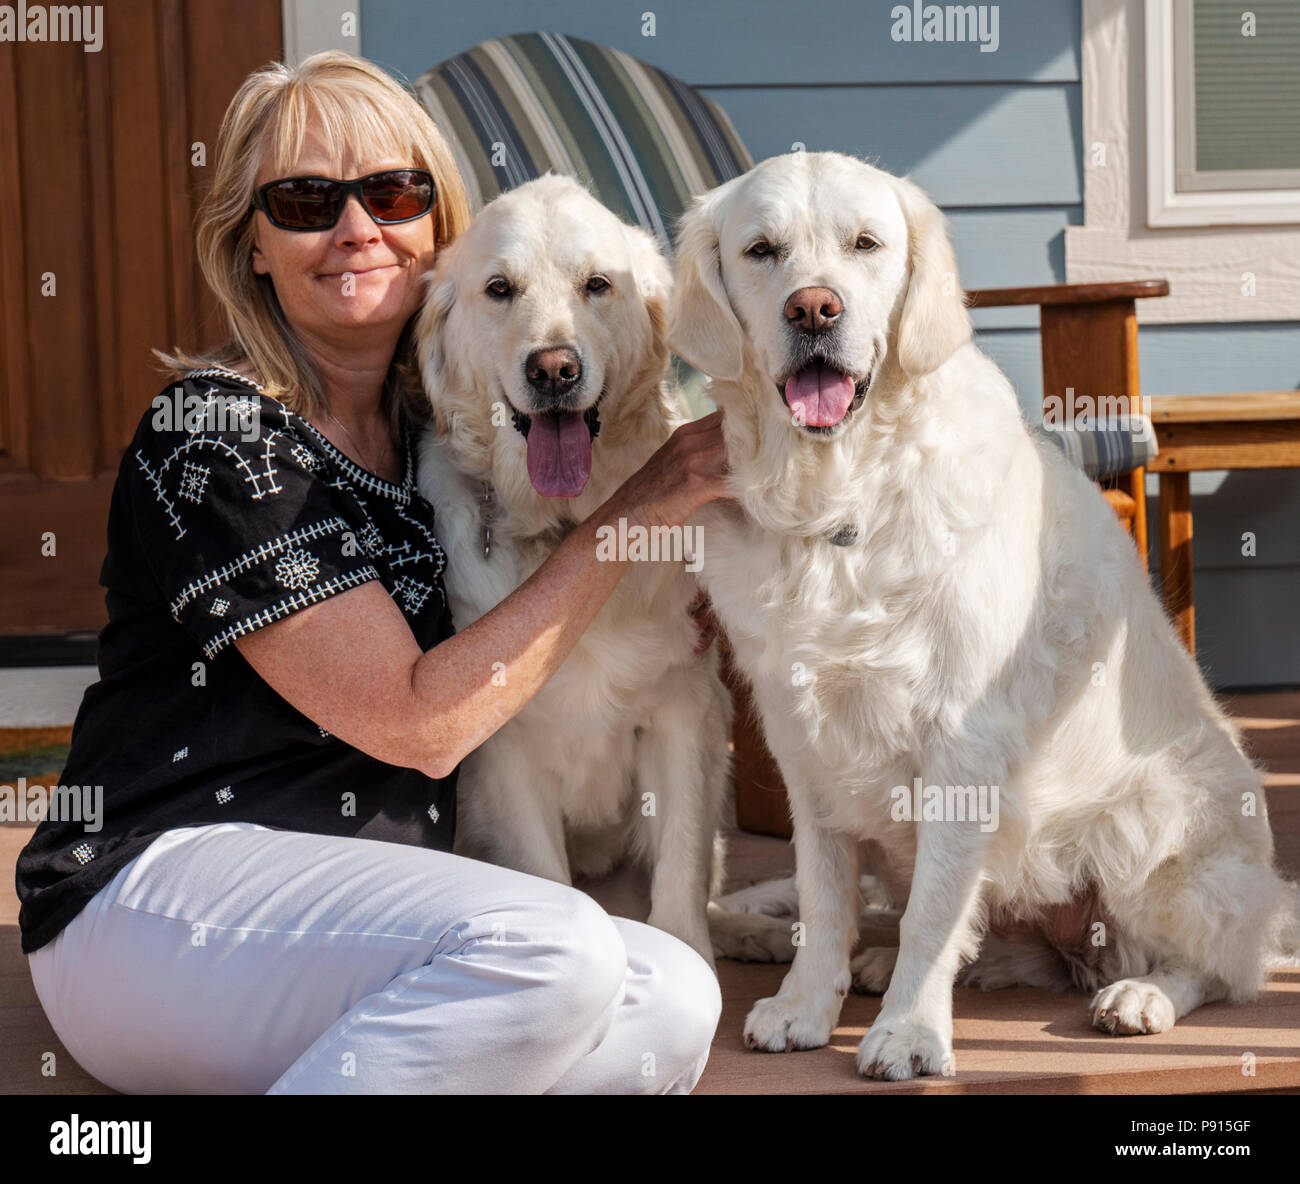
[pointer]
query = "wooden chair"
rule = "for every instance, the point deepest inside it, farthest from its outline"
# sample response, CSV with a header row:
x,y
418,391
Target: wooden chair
x,y
1089,344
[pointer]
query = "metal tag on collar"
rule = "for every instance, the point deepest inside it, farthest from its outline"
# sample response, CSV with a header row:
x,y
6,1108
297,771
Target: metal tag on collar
x,y
485,501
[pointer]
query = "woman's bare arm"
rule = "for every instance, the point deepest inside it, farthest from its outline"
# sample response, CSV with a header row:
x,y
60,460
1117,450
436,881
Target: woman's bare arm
x,y
352,665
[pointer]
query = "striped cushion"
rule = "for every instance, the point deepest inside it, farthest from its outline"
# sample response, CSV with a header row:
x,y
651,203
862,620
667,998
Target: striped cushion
x,y
1107,451
641,140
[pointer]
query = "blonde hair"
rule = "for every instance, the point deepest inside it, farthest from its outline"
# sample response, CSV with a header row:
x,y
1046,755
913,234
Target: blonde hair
x,y
358,103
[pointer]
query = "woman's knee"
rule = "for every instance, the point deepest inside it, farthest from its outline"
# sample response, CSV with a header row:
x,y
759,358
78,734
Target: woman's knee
x,y
680,991
563,943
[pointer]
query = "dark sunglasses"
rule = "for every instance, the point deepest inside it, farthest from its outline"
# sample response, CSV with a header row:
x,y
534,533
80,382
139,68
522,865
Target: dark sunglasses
x,y
316,203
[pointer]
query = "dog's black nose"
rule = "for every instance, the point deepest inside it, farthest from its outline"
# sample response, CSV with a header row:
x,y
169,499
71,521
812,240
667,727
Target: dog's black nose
x,y
553,371
813,310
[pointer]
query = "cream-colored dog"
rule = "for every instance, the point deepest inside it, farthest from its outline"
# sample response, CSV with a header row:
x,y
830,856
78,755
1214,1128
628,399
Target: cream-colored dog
x,y
937,610
542,349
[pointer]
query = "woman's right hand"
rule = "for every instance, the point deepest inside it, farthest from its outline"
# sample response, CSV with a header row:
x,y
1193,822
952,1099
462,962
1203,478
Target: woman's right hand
x,y
688,471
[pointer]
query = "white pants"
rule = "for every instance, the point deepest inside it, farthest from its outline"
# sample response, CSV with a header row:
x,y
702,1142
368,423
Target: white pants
x,y
233,958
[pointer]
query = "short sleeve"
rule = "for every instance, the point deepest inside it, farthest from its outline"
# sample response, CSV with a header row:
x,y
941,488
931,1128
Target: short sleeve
x,y
235,515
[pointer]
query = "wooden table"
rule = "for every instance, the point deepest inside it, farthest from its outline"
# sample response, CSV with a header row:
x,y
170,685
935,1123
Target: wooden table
x,y
1199,432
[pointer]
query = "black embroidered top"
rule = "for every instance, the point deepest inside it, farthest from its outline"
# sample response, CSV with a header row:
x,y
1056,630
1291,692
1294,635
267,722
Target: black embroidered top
x,y
221,523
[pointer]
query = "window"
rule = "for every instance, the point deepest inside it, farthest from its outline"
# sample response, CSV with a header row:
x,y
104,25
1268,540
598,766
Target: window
x,y
1223,112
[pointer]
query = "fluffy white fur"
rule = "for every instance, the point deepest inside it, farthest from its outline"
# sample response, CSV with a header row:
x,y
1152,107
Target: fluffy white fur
x,y
991,625
622,756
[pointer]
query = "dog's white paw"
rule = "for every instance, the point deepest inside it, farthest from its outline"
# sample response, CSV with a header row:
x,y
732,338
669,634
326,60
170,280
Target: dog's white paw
x,y
872,969
1132,1007
750,937
759,946
782,1023
895,1050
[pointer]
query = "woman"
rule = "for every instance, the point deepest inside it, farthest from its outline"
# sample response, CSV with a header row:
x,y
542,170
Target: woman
x,y
269,902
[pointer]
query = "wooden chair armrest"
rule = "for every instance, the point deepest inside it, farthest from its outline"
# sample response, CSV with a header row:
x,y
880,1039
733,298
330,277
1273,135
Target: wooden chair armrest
x,y
1066,294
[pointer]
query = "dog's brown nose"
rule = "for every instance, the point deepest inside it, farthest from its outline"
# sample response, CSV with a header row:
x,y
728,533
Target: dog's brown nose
x,y
813,310
552,371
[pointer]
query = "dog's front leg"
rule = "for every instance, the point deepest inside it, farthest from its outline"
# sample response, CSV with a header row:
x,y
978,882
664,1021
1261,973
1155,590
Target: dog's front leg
x,y
681,784
912,1034
805,1009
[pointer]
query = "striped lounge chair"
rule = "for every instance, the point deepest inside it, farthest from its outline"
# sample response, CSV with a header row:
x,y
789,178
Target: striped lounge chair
x,y
643,141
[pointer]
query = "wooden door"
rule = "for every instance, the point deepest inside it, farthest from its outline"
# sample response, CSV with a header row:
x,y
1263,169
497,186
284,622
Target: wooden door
x,y
103,157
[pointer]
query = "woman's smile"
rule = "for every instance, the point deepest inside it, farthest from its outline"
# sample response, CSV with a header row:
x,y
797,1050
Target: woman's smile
x,y
377,270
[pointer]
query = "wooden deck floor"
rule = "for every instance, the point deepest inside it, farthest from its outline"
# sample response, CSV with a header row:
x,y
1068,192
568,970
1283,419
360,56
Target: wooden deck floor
x,y
1015,1041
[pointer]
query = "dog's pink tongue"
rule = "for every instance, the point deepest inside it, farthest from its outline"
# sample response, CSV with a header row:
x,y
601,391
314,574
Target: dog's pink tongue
x,y
559,454
820,394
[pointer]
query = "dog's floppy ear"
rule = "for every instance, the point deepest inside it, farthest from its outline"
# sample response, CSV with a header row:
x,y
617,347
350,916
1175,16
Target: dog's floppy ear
x,y
934,322
702,327
439,296
654,279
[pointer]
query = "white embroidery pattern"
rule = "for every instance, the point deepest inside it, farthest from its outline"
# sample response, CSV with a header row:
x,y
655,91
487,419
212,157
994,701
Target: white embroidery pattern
x,y
372,542
297,569
224,795
194,480
156,481
286,606
257,471
412,555
228,373
359,476
412,592
262,481
258,554
433,813
82,853
306,457
407,552
180,754
324,734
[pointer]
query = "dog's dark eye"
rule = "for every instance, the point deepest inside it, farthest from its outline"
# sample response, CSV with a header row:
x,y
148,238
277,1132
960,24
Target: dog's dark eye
x,y
597,283
866,243
498,287
760,250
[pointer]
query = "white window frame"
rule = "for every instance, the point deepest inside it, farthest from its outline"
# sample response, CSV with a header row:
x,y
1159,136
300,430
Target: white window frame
x,y
1207,266
1170,134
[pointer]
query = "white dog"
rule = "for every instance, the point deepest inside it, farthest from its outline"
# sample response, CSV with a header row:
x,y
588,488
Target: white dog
x,y
919,587
541,346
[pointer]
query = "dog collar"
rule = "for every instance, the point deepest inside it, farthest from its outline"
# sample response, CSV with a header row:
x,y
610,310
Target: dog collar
x,y
842,537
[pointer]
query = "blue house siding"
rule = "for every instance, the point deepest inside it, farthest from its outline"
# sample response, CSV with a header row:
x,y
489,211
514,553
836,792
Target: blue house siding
x,y
740,42
996,139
